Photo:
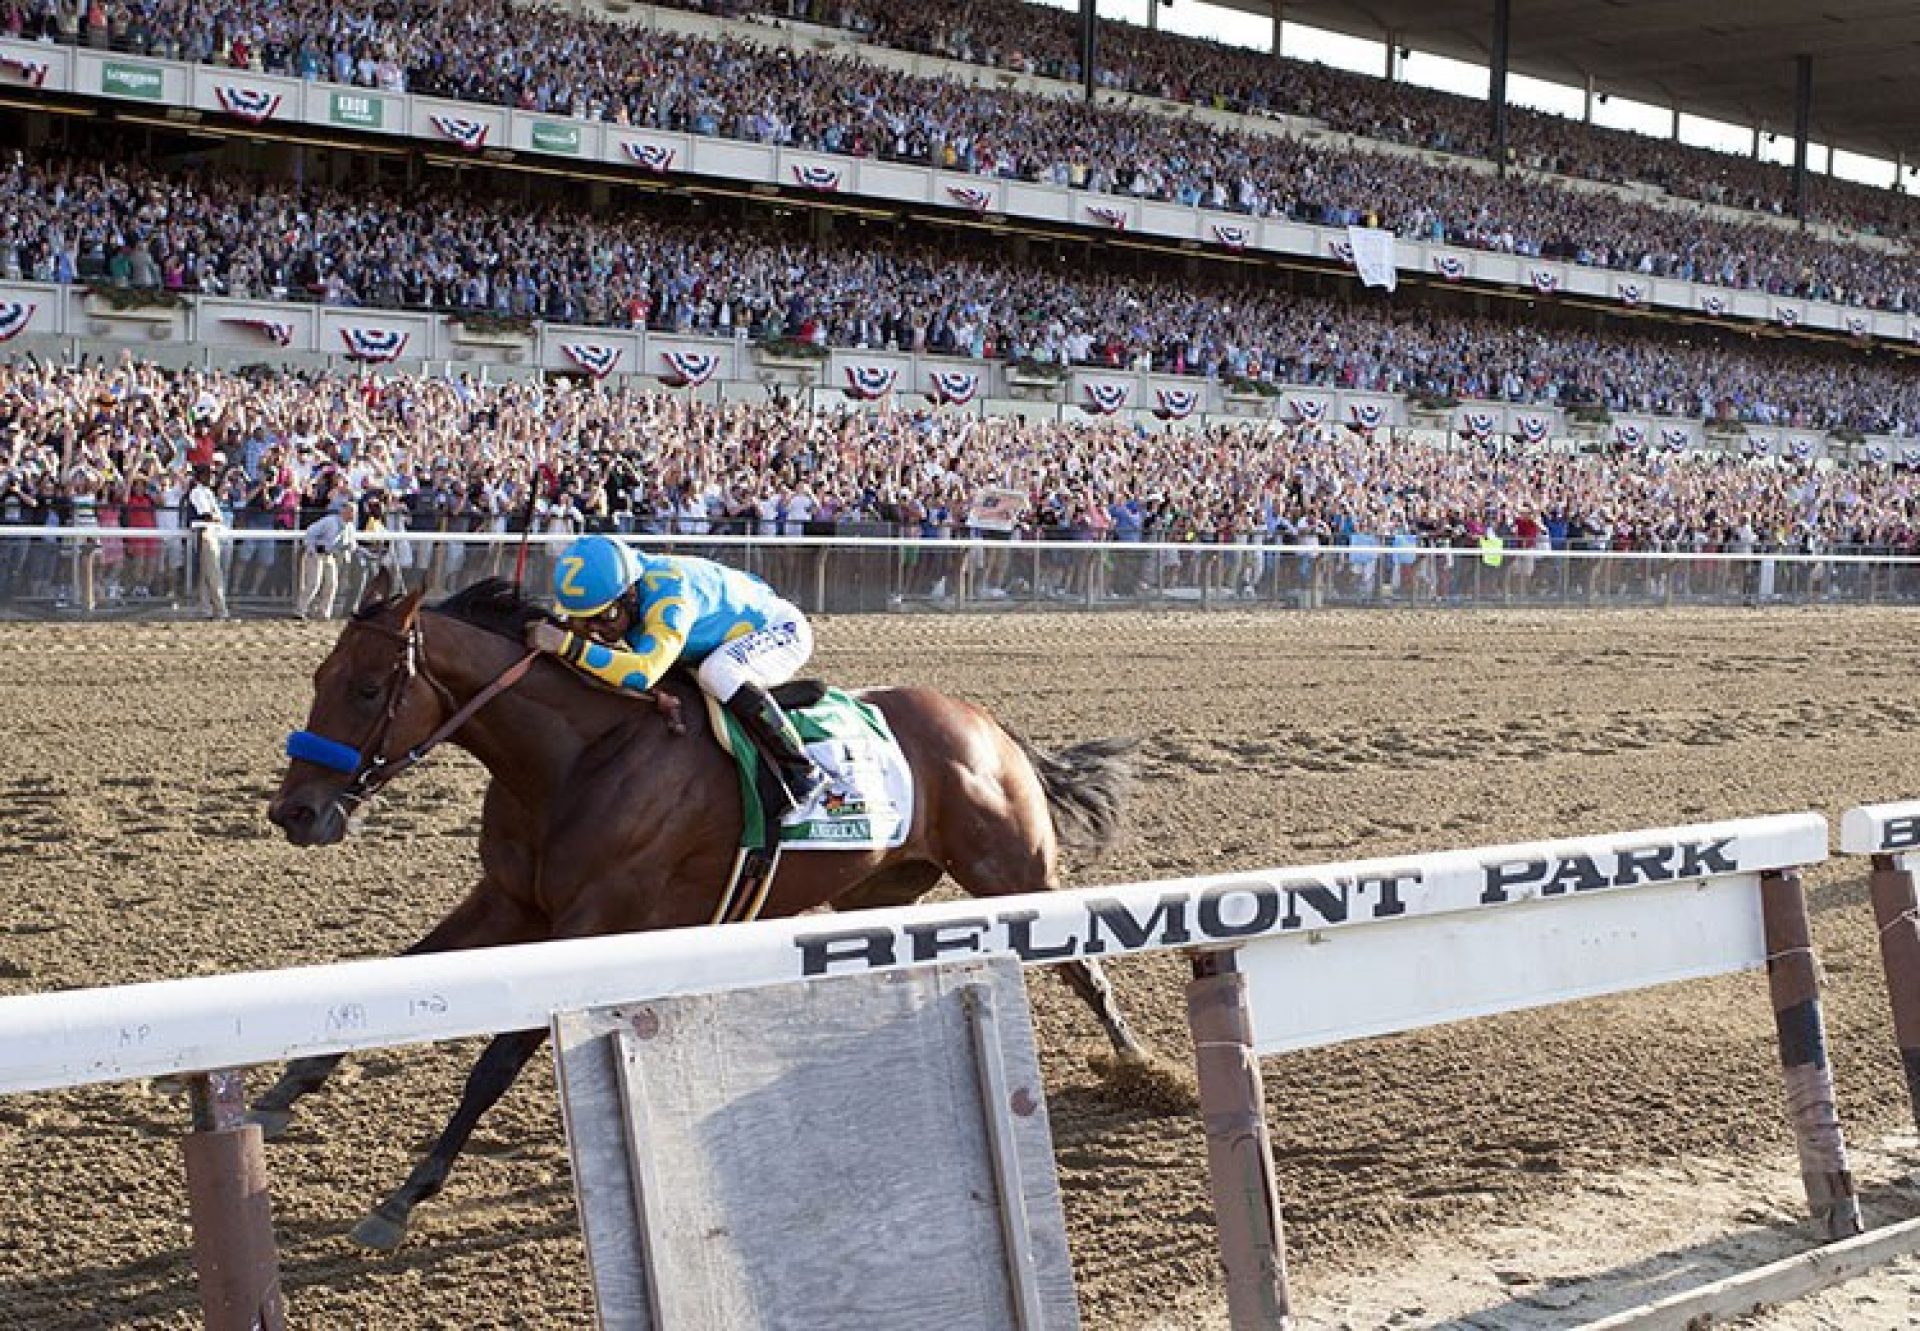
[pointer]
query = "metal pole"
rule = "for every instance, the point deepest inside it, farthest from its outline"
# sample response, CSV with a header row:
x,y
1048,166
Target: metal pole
x,y
1089,44
1802,127
1497,89
1246,1202
1793,982
227,1201
1894,910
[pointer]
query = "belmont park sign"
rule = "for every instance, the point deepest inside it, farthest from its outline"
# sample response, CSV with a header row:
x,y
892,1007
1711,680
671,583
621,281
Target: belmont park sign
x,y
1235,909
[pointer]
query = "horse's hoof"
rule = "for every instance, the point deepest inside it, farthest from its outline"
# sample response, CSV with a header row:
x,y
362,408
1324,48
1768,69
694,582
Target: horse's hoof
x,y
271,1122
380,1232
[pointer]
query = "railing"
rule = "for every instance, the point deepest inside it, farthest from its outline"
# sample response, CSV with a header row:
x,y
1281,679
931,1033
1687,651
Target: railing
x,y
138,573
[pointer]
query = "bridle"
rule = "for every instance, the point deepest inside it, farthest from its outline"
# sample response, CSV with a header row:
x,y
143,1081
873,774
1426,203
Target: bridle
x,y
371,769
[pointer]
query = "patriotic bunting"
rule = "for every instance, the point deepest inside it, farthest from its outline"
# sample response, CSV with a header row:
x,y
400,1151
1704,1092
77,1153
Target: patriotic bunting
x,y
970,197
1858,324
1235,238
1103,399
1713,304
867,382
655,157
1629,434
469,134
826,179
595,359
1176,404
1532,427
690,369
1630,293
1544,280
1113,217
1308,410
374,345
1758,445
1876,452
1910,456
1802,449
956,387
14,317
32,71
1478,424
248,104
1367,416
276,331
1788,315
1675,437
1450,266
1342,249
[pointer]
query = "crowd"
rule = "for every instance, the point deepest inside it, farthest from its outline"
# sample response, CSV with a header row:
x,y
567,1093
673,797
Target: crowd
x,y
72,221
569,64
120,450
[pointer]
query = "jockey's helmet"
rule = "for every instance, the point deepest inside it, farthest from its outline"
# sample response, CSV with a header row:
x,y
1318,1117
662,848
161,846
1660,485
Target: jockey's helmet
x,y
591,574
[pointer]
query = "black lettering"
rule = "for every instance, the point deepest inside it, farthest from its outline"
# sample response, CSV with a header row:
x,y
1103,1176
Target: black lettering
x,y
1900,833
853,949
1019,926
1166,924
1648,865
1266,911
1329,903
931,941
1388,885
1578,873
1513,873
1707,857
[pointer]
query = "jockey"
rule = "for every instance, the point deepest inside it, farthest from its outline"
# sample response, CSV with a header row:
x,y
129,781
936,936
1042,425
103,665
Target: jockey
x,y
633,615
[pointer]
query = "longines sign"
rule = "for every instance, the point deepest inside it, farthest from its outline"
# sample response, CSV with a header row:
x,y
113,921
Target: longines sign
x,y
1236,909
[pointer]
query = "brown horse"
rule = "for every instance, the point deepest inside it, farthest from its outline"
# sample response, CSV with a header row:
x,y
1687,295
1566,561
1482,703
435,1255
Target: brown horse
x,y
599,819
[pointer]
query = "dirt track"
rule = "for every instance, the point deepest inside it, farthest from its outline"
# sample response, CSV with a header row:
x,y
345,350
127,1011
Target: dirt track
x,y
135,763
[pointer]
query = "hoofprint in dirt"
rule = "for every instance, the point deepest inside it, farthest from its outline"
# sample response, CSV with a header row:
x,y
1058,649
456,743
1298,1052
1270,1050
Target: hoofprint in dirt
x,y
135,763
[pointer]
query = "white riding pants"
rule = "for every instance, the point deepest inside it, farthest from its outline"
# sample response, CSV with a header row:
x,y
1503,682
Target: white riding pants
x,y
771,656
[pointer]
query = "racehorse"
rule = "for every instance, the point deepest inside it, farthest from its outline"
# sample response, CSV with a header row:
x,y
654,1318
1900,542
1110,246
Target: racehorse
x,y
600,819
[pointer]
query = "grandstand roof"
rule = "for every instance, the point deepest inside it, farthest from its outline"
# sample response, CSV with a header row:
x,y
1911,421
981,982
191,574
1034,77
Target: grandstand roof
x,y
1732,61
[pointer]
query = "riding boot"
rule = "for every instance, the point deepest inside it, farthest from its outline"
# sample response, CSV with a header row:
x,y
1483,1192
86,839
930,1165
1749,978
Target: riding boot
x,y
772,731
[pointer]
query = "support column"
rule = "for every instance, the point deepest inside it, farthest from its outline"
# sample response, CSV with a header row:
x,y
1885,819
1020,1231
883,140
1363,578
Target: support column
x,y
1497,88
1793,982
1246,1201
1802,128
1153,15
1897,911
1279,19
1674,134
1393,55
227,1202
1588,117
1756,142
1089,44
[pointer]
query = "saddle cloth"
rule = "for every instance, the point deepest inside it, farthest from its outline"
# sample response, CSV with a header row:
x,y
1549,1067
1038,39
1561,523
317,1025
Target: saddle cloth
x,y
867,802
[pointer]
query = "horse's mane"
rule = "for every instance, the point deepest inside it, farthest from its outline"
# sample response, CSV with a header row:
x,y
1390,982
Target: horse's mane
x,y
493,604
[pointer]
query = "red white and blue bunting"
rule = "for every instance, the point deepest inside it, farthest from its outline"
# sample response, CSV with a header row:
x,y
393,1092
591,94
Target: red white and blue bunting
x,y
1802,448
690,369
1308,410
1910,456
1366,416
826,179
1630,293
1450,266
954,387
655,157
1104,397
1235,238
15,315
595,359
32,71
971,197
1342,248
249,104
1629,434
1759,445
1478,424
868,382
277,331
1712,304
1675,437
1113,217
1876,452
1532,427
1859,325
1788,315
1544,280
469,134
374,345
1176,404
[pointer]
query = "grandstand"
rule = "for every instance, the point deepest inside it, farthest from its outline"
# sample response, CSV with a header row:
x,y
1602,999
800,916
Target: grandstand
x,y
911,214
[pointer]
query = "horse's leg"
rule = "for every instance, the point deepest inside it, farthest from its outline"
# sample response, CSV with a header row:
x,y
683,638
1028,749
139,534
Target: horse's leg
x,y
483,919
497,1069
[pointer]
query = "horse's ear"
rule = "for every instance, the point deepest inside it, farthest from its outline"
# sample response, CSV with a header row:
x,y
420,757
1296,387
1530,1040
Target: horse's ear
x,y
379,588
409,606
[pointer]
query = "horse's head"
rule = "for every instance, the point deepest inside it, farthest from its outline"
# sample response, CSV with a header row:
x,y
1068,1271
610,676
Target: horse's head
x,y
372,703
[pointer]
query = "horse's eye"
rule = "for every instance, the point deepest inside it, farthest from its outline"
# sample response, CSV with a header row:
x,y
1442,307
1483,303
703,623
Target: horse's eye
x,y
367,690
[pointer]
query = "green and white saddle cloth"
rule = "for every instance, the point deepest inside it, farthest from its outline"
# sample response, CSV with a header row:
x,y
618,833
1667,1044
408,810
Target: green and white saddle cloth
x,y
867,802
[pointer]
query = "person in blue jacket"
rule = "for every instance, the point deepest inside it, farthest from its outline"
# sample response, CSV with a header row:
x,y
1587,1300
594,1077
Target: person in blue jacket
x,y
632,615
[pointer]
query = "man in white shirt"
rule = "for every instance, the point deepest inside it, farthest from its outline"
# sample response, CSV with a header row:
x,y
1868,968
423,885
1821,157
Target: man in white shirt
x,y
203,515
328,542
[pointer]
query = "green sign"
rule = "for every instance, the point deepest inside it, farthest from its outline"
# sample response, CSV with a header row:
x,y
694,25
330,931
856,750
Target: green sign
x,y
120,79
358,110
551,138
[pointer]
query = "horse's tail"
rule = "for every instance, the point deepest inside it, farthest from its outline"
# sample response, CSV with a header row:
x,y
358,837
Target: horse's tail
x,y
1086,788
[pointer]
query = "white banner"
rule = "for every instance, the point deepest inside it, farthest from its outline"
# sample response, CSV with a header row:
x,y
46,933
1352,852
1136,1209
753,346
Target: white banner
x,y
1373,256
